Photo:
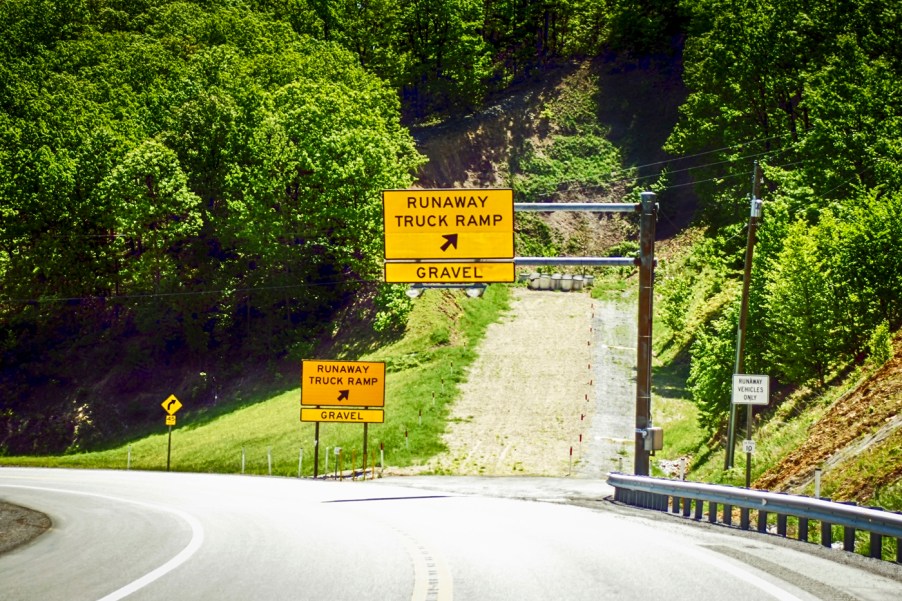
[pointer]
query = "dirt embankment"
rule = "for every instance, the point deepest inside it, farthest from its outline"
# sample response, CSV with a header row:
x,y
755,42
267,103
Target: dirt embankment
x,y
856,424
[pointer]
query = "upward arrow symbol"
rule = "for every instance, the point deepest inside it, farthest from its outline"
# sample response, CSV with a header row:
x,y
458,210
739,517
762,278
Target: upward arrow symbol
x,y
451,240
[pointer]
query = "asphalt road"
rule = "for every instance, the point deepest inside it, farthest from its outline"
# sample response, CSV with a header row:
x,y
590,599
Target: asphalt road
x,y
158,536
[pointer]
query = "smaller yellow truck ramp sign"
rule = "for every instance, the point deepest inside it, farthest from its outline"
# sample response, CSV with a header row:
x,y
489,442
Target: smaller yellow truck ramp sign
x,y
343,383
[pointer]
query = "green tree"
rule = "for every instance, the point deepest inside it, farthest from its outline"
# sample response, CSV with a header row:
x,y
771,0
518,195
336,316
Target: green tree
x,y
446,60
712,358
155,213
800,319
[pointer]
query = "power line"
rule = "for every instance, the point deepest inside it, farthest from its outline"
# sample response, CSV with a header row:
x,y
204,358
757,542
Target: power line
x,y
639,178
185,293
706,152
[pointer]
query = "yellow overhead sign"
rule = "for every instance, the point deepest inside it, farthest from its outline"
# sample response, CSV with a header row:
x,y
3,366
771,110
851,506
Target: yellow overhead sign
x,y
448,224
339,414
449,273
342,383
171,405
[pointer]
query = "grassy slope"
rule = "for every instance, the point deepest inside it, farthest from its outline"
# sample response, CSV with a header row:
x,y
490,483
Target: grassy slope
x,y
426,364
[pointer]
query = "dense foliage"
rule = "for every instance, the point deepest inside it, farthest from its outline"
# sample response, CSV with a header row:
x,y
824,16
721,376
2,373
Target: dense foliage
x,y
812,91
198,181
195,177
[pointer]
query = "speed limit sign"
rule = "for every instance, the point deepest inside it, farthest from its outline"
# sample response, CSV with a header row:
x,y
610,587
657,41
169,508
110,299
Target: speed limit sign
x,y
748,446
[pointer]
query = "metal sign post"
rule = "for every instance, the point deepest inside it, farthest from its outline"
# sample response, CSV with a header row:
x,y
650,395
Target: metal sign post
x,y
316,451
171,406
643,351
169,449
748,390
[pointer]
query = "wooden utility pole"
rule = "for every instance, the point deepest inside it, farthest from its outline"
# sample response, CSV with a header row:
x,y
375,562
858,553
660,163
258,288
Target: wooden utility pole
x,y
739,365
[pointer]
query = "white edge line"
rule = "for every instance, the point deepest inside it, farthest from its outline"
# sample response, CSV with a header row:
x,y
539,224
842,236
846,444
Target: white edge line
x,y
197,539
741,573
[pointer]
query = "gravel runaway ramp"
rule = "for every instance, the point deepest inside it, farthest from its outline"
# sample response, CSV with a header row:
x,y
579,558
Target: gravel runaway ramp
x,y
610,439
543,380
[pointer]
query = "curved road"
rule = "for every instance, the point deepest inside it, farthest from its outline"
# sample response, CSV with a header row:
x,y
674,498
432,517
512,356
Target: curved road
x,y
158,536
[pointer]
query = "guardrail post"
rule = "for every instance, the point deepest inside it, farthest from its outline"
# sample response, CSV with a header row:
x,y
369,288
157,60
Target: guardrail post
x,y
712,512
728,514
762,520
803,529
699,509
687,506
876,546
848,538
899,550
848,534
826,534
744,518
781,524
675,506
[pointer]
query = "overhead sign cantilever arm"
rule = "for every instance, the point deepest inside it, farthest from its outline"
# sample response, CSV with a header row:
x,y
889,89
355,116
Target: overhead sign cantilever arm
x,y
448,224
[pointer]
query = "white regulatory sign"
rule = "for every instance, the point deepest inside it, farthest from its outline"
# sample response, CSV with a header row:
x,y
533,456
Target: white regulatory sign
x,y
748,446
750,389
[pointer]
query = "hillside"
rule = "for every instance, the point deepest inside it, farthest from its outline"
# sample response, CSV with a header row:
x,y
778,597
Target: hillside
x,y
856,442
634,102
854,439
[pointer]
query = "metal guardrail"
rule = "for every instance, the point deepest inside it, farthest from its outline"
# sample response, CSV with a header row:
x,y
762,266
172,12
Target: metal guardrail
x,y
678,496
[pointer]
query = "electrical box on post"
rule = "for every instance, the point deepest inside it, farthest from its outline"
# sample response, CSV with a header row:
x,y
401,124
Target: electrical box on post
x,y
654,439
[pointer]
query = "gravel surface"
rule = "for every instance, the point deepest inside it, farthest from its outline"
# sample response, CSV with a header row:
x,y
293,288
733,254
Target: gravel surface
x,y
551,394
18,525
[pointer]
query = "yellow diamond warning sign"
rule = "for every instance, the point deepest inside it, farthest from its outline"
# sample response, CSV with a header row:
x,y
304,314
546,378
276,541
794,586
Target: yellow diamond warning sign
x,y
343,383
448,224
171,405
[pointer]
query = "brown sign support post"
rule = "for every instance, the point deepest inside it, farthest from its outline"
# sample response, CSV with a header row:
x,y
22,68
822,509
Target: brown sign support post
x,y
643,354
